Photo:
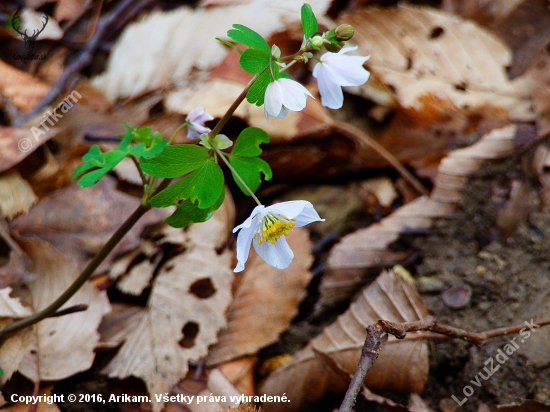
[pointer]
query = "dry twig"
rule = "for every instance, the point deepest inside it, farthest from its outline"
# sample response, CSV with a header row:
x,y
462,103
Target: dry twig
x,y
377,336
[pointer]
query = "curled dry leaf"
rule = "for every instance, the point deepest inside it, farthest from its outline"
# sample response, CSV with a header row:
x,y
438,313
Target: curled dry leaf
x,y
402,365
90,216
179,40
66,344
265,302
350,261
13,349
185,311
22,89
421,52
16,194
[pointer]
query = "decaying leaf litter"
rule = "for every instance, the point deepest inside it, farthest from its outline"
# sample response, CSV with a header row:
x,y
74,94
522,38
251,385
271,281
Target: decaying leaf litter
x,y
458,93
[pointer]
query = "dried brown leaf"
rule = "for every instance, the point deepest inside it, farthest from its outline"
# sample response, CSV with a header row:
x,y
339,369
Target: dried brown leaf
x,y
16,143
265,302
402,365
89,216
349,262
16,195
421,52
184,313
23,89
185,32
66,344
541,164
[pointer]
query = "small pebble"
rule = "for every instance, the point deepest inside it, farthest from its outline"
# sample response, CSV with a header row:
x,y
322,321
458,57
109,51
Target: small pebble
x,y
430,284
457,297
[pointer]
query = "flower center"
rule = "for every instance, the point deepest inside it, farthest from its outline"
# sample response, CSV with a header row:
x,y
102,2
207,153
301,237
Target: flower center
x,y
273,227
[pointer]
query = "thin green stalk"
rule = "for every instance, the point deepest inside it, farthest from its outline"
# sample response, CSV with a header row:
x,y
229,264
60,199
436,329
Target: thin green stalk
x,y
239,178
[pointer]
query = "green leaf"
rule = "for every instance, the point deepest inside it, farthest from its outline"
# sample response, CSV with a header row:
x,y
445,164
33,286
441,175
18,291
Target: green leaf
x,y
250,169
309,22
189,212
254,61
202,186
248,142
97,164
226,43
244,35
105,162
244,158
175,161
256,93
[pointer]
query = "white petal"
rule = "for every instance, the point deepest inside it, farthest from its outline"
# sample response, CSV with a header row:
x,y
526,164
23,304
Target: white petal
x,y
255,216
278,255
308,215
283,113
294,94
243,248
273,102
331,93
289,209
246,234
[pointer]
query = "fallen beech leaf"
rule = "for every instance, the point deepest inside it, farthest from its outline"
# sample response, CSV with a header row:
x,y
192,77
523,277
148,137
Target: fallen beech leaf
x,y
241,374
89,217
350,260
16,195
16,143
185,32
185,311
66,344
402,365
422,51
264,293
538,79
12,350
23,90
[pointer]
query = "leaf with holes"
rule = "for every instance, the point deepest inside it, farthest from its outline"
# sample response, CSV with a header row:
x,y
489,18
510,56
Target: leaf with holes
x,y
184,313
402,365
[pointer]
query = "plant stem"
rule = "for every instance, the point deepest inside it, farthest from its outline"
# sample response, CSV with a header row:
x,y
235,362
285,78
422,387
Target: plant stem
x,y
239,178
86,273
181,126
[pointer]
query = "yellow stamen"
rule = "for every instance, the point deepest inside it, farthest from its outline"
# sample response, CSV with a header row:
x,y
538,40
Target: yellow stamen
x,y
273,227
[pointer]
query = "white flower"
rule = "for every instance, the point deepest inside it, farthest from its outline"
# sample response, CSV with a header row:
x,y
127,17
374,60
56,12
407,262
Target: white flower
x,y
336,70
267,227
195,123
283,95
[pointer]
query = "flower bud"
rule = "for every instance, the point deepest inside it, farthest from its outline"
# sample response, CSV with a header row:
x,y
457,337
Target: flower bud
x,y
334,48
276,52
316,41
344,32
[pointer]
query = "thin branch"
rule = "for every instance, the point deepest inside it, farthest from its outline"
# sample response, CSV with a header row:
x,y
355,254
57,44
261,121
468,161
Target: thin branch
x,y
377,336
356,133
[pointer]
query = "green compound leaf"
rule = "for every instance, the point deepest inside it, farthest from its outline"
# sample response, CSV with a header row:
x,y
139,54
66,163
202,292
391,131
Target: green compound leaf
x,y
103,163
244,158
189,212
175,161
248,142
250,170
203,187
248,37
97,164
256,93
254,61
309,22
